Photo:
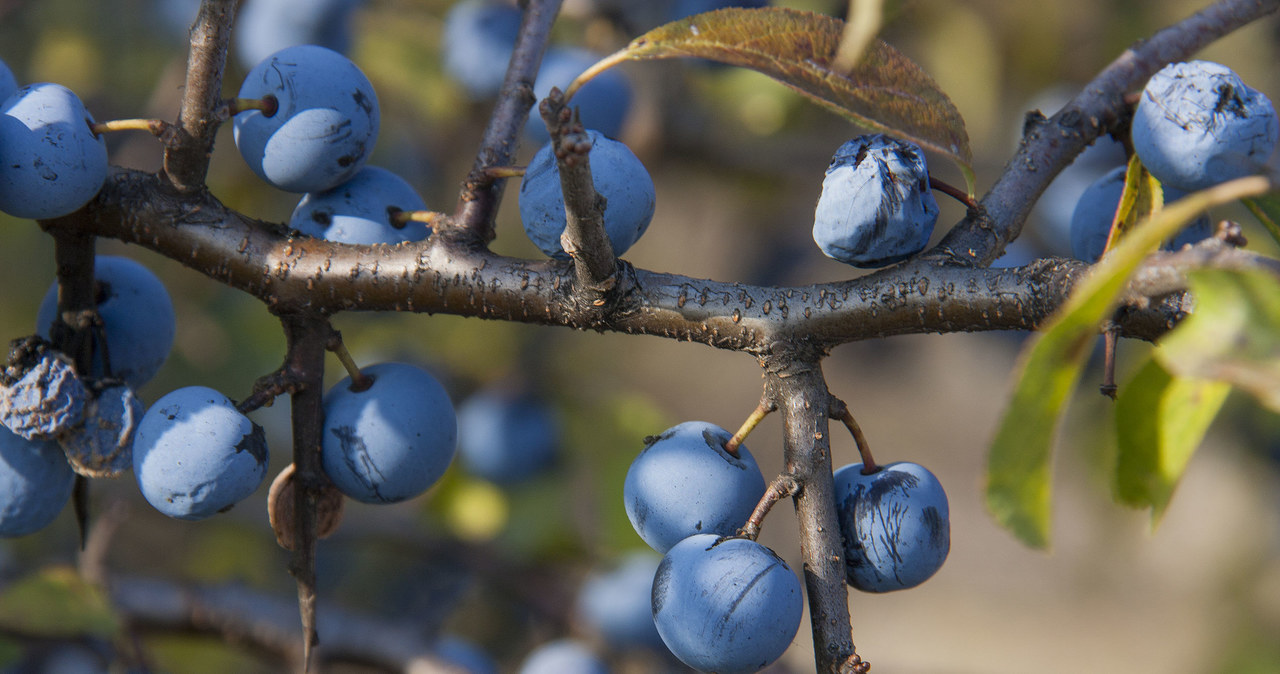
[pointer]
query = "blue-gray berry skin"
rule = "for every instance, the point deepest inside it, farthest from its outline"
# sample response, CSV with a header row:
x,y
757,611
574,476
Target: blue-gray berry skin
x,y
1094,212
324,128
1197,124
507,436
461,653
264,27
35,483
51,162
726,605
895,524
603,102
102,446
684,482
46,400
618,176
137,316
361,210
685,8
563,656
195,454
876,206
392,441
8,83
479,36
617,603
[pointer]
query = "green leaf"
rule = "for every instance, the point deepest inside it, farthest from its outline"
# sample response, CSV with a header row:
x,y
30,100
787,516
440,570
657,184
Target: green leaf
x,y
1160,421
57,602
1018,477
886,91
1266,209
1233,335
1142,197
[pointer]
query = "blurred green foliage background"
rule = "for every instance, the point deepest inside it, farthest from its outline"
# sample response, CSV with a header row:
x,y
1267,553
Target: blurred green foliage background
x,y
738,162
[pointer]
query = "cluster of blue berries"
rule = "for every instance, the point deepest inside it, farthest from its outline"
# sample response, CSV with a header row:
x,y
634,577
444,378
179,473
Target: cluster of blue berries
x,y
1196,124
60,422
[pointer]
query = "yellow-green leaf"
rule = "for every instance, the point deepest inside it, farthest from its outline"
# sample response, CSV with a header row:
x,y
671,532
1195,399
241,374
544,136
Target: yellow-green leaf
x,y
886,91
1142,197
1233,335
1160,421
1018,477
57,602
1267,209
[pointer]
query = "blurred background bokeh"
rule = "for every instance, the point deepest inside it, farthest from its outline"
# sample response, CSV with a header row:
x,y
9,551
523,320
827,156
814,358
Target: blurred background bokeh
x,y
737,160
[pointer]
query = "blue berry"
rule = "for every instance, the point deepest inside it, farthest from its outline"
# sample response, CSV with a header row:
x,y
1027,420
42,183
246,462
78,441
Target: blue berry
x,y
35,483
464,655
479,36
392,441
617,603
506,436
726,605
51,162
44,400
361,210
8,84
876,206
137,317
102,446
1094,212
564,656
685,483
603,102
195,454
324,128
264,27
618,176
1197,124
685,8
895,524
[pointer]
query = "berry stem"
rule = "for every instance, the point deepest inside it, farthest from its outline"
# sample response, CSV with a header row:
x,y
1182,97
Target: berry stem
x,y
267,105
953,192
840,411
359,380
401,218
154,127
1110,338
782,486
761,411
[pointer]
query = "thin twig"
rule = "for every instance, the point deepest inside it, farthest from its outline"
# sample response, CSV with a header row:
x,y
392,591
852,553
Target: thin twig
x,y
782,486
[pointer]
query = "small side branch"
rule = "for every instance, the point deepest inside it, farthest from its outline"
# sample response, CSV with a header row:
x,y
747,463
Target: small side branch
x,y
584,238
782,486
186,158
482,191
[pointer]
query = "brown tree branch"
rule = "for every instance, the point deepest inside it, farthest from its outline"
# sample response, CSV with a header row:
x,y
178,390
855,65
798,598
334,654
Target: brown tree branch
x,y
584,237
1050,145
797,384
306,336
481,193
186,157
269,626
